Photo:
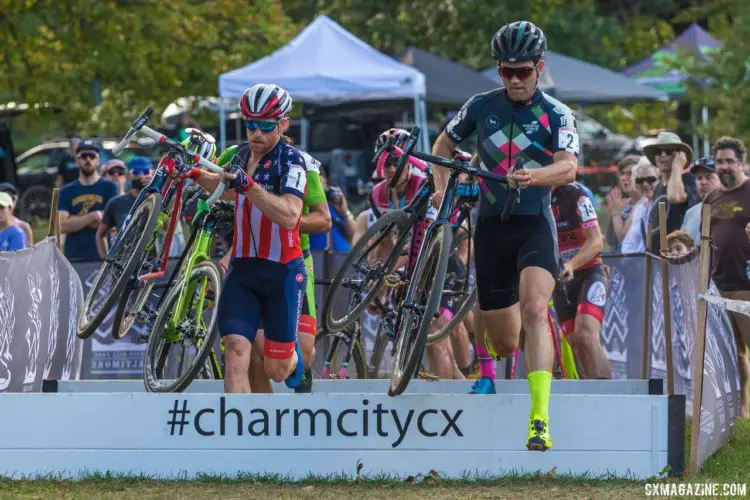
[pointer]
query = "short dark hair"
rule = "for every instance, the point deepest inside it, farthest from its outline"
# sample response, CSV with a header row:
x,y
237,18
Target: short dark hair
x,y
732,143
627,161
682,237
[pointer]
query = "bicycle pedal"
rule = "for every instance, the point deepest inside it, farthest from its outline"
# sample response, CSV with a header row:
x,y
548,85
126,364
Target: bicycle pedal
x,y
392,281
428,376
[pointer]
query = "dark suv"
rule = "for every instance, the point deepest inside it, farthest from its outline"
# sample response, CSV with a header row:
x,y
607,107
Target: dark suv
x,y
37,171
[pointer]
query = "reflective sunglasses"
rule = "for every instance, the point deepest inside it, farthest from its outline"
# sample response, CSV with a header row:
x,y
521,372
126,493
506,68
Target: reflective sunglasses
x,y
140,171
522,73
265,127
641,180
87,156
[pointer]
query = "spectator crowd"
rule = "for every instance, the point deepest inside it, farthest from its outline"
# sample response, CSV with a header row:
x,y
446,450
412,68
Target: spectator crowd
x,y
667,173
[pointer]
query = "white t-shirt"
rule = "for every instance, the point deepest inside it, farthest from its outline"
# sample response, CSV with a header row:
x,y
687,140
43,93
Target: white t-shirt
x,y
633,241
691,224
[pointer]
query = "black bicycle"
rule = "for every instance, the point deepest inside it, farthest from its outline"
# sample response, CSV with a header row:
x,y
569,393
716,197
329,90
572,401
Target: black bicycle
x,y
395,242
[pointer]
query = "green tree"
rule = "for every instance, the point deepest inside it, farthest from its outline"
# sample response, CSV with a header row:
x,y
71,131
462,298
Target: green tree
x,y
723,83
138,52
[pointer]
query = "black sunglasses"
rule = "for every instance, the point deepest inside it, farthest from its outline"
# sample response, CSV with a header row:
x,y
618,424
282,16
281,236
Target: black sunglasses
x,y
87,156
641,180
666,151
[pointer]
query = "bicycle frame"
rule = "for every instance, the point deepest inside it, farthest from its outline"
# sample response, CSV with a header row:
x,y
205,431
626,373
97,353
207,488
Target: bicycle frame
x,y
199,253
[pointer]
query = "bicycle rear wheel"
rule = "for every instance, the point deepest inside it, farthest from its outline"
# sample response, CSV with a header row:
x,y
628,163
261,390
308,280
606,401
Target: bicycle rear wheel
x,y
137,292
364,270
415,318
175,355
114,273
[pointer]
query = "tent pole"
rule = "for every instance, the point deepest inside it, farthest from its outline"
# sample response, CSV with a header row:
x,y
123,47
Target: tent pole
x,y
581,159
706,146
693,126
222,126
423,105
418,120
304,130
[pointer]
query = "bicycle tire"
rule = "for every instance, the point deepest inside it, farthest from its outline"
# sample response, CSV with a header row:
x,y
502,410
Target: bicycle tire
x,y
403,222
151,203
464,308
378,352
137,292
211,271
409,353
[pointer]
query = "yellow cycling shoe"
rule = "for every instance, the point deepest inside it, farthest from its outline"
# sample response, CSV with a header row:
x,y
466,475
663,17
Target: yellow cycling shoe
x,y
538,439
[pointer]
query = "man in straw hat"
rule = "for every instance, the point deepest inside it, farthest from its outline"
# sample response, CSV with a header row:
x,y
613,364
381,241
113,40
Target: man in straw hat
x,y
676,187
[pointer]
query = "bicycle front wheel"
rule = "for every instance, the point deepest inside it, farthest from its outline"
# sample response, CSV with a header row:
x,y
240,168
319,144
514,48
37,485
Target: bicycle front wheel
x,y
180,341
415,317
460,285
114,273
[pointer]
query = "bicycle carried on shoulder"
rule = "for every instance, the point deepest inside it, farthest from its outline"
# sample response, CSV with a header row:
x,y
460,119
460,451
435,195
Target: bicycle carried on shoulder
x,y
419,288
125,275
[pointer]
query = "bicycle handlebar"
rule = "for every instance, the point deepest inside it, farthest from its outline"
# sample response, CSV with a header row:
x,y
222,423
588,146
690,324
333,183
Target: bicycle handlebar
x,y
463,167
140,126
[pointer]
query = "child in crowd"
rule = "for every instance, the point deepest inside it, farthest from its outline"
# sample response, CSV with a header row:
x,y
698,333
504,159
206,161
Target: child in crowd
x,y
679,244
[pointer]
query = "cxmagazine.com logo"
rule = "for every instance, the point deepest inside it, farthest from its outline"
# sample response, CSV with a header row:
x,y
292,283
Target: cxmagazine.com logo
x,y
363,421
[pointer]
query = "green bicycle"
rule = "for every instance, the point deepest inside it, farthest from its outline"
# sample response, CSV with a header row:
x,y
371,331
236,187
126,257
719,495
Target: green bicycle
x,y
182,336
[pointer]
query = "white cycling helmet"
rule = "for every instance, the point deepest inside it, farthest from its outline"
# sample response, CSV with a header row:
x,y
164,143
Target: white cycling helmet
x,y
265,101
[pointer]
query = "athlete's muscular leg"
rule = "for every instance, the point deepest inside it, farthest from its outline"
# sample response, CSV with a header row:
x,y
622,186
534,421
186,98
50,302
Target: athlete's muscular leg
x,y
259,381
588,348
504,329
535,289
460,342
307,346
237,351
440,354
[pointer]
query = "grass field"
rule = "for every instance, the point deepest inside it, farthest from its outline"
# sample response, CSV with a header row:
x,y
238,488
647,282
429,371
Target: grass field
x,y
730,465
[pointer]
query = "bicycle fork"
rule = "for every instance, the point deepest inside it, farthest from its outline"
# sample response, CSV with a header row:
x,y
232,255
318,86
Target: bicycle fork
x,y
349,340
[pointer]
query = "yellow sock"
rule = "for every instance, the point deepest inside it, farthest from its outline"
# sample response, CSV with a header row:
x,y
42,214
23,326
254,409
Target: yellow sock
x,y
539,385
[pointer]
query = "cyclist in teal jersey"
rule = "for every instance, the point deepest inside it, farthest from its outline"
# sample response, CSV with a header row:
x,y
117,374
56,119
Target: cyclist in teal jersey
x,y
517,259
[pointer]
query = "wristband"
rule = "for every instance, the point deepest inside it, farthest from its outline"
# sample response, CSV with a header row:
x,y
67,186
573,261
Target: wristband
x,y
250,184
349,214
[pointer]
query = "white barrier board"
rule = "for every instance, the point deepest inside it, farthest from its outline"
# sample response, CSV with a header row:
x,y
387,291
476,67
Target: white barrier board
x,y
380,386
184,435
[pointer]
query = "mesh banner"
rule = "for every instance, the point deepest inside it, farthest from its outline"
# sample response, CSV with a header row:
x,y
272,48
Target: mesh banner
x,y
40,299
103,356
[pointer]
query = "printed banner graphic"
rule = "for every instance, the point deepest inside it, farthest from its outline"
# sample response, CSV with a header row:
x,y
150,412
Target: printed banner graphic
x,y
40,299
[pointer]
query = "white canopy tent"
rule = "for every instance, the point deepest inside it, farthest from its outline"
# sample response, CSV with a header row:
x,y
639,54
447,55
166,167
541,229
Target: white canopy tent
x,y
327,65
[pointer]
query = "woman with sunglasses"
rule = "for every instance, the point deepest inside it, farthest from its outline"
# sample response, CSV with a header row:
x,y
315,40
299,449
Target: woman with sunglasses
x,y
266,279
114,170
517,259
645,178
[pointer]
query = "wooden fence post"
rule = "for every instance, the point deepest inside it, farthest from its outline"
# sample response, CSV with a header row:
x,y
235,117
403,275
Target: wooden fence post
x,y
647,309
666,299
699,349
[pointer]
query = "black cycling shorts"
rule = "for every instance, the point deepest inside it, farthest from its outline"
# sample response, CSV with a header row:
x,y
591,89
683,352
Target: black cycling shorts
x,y
503,249
586,293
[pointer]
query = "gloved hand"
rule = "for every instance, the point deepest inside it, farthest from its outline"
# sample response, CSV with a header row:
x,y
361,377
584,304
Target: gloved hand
x,y
235,176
